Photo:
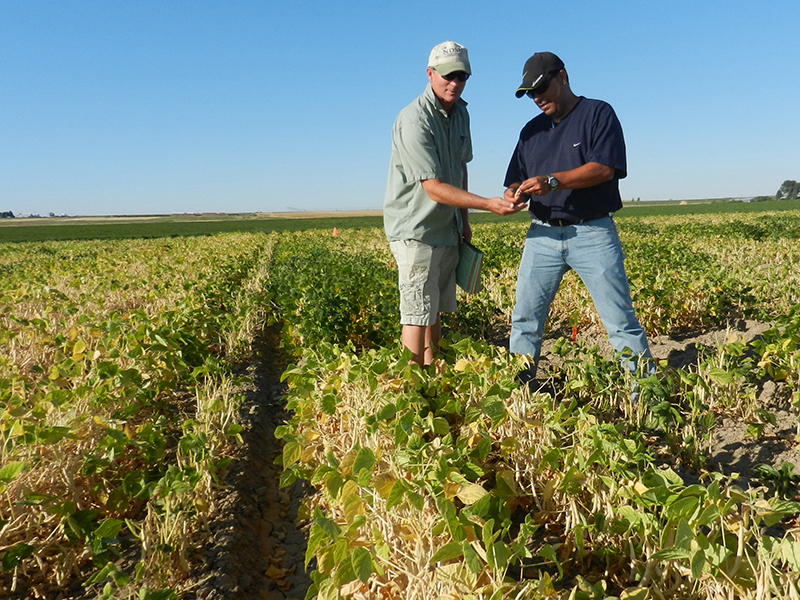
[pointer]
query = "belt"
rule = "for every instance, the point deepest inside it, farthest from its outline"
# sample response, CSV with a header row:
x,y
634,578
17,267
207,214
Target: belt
x,y
568,222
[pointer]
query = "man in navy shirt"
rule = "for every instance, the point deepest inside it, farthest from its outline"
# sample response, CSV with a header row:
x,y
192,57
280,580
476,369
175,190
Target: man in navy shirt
x,y
567,164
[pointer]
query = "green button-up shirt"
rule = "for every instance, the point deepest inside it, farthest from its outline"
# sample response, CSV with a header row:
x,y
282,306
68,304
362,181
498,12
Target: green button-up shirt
x,y
427,143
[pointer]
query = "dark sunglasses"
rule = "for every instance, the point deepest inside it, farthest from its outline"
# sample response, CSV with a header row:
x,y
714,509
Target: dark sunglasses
x,y
542,87
460,75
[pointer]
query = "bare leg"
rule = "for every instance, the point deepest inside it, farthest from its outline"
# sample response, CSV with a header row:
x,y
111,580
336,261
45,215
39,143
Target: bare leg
x,y
422,341
413,338
432,336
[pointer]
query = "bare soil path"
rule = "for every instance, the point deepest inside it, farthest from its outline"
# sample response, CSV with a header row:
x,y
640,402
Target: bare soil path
x,y
257,548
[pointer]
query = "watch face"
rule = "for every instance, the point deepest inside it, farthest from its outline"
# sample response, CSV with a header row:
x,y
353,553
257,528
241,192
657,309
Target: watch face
x,y
552,182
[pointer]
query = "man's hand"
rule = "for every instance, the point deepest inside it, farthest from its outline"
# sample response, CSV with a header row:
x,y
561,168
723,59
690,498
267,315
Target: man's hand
x,y
453,196
504,206
513,195
585,176
535,186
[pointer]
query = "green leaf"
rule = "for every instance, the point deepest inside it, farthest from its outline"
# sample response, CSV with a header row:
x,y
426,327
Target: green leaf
x,y
441,426
416,500
327,525
720,375
495,410
396,495
684,536
365,459
387,412
108,528
471,558
790,552
684,508
333,483
709,514
548,553
9,472
698,563
329,404
315,538
110,570
362,564
672,553
53,435
13,557
287,478
81,522
497,555
448,552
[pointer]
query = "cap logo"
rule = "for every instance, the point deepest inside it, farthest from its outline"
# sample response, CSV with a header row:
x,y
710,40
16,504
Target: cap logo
x,y
535,83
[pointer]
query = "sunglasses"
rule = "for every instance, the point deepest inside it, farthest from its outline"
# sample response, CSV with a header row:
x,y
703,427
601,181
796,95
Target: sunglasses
x,y
460,75
541,88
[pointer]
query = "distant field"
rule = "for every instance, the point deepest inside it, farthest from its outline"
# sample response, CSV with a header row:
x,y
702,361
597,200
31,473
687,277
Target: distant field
x,y
160,226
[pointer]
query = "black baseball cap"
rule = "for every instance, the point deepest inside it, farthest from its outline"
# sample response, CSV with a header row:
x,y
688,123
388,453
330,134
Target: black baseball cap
x,y
537,68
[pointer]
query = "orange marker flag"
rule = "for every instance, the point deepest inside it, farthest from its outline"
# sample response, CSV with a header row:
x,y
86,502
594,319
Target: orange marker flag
x,y
335,233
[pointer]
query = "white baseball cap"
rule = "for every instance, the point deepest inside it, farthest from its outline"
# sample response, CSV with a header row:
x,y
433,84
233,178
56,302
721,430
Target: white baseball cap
x,y
449,57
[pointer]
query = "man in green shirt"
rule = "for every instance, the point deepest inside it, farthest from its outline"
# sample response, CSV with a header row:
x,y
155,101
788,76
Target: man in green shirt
x,y
425,209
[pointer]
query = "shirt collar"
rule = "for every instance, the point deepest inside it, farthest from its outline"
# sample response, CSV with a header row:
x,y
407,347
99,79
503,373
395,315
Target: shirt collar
x,y
431,97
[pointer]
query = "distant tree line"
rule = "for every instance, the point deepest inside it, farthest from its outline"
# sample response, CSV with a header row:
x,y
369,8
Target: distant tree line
x,y
6,215
789,190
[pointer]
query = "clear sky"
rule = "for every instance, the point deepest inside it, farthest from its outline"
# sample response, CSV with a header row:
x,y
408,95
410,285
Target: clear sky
x,y
159,106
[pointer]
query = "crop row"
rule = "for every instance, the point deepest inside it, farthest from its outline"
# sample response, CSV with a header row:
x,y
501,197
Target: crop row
x,y
117,406
454,482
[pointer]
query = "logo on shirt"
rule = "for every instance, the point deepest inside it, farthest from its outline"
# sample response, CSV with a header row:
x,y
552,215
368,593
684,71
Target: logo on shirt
x,y
576,145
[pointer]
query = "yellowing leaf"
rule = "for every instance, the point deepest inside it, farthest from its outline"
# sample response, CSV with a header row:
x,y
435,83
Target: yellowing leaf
x,y
383,483
479,550
451,490
508,445
79,347
346,464
506,479
395,384
353,504
311,435
470,494
635,593
462,365
292,452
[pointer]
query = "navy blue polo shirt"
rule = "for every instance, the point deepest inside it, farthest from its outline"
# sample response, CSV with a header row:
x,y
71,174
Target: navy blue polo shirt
x,y
591,132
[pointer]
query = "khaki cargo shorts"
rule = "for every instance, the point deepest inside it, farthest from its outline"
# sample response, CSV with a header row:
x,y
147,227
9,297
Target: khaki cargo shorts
x,y
426,279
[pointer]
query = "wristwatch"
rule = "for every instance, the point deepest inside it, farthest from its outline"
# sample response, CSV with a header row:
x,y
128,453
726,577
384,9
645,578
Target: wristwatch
x,y
552,182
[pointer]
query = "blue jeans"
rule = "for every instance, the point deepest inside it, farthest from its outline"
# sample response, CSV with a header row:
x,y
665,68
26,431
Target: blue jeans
x,y
593,250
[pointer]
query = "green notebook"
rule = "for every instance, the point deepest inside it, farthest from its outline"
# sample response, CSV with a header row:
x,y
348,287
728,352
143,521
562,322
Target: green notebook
x,y
468,271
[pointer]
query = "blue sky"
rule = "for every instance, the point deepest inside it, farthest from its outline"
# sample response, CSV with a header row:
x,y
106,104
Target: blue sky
x,y
154,107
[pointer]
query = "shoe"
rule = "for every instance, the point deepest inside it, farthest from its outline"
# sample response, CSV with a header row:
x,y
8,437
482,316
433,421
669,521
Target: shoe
x,y
526,377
